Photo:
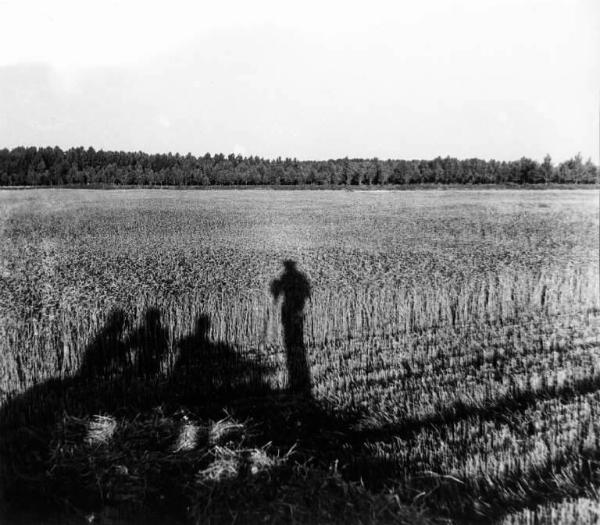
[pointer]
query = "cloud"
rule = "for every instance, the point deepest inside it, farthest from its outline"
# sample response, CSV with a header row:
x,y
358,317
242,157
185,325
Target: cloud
x,y
163,121
240,150
485,78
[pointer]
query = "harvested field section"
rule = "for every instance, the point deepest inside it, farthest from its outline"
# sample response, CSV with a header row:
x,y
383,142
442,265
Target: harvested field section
x,y
451,340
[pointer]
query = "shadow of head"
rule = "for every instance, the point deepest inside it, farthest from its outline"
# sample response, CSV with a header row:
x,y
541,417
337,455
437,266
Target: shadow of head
x,y
152,319
202,325
289,264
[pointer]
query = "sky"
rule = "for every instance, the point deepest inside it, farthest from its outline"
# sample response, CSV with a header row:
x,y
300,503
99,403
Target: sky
x,y
310,79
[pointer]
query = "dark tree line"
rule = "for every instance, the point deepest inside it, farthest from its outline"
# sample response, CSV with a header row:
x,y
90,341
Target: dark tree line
x,y
48,166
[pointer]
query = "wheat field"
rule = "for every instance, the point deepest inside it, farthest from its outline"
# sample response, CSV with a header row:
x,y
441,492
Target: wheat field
x,y
451,339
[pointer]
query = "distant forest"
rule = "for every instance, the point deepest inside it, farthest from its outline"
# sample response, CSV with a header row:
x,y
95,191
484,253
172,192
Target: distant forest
x,y
31,166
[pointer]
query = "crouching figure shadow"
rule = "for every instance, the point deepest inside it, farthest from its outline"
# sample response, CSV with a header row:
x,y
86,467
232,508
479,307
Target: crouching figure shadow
x,y
28,421
209,371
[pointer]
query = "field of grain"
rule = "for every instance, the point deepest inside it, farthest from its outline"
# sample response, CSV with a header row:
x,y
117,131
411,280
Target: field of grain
x,y
451,339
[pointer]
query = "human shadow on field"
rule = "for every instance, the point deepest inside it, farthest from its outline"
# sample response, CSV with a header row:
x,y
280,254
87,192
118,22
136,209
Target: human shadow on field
x,y
28,420
294,288
104,359
208,372
151,342
107,355
122,376
126,376
325,435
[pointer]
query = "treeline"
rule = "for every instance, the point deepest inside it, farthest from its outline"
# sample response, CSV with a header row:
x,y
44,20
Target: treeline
x,y
80,166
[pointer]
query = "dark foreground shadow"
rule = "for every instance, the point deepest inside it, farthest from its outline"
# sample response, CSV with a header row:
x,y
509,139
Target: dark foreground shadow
x,y
125,375
122,376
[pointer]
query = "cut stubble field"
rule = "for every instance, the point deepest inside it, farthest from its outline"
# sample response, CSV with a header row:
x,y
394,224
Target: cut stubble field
x,y
148,366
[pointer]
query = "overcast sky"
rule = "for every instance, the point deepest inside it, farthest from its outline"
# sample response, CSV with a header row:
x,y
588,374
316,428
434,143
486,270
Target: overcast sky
x,y
309,79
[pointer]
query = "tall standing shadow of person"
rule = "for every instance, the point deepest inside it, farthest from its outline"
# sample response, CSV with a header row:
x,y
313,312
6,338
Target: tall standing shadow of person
x,y
294,287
